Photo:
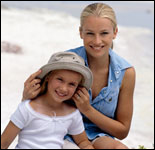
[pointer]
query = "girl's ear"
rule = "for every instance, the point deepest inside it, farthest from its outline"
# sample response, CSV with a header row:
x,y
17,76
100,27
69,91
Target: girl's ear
x,y
48,76
80,31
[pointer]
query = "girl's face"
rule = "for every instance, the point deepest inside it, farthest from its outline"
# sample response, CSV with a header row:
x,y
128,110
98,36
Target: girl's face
x,y
62,84
97,34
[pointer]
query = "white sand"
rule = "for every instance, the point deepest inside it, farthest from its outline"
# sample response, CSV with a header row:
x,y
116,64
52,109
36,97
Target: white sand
x,y
41,33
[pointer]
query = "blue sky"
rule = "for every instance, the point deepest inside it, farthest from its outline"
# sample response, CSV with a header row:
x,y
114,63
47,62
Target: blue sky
x,y
129,13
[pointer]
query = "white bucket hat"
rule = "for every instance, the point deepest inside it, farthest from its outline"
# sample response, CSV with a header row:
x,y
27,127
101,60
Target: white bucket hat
x,y
68,61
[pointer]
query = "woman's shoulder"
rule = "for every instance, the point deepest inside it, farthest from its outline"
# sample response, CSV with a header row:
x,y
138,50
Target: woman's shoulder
x,y
130,73
118,60
78,50
129,78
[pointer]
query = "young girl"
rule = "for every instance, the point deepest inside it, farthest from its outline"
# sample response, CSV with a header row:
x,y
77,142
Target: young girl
x,y
43,122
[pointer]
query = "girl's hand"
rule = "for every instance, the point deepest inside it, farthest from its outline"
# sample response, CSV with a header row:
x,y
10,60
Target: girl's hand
x,y
82,141
32,86
81,99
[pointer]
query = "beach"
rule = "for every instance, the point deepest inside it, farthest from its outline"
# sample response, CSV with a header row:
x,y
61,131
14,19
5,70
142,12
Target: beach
x,y
37,33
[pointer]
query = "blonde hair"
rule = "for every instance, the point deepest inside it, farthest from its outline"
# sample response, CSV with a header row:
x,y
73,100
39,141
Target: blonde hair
x,y
100,10
44,84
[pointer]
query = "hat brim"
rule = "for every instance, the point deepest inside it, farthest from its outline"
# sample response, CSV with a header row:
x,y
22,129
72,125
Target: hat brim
x,y
84,71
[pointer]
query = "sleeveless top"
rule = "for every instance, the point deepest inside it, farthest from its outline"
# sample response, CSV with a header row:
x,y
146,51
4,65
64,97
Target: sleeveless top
x,y
106,101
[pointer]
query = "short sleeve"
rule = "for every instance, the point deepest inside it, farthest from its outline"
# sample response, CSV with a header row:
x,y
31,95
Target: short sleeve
x,y
77,125
19,117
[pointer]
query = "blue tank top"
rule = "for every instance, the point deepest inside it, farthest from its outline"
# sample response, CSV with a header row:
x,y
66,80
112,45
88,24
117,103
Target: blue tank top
x,y
106,101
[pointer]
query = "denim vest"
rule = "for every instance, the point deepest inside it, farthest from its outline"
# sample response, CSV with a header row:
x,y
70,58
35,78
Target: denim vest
x,y
106,101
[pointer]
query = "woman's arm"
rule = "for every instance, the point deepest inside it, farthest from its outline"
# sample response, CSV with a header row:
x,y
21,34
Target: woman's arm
x,y
9,135
32,86
82,141
119,127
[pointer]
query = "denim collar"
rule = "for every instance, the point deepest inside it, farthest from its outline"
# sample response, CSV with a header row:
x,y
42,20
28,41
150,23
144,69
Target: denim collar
x,y
115,66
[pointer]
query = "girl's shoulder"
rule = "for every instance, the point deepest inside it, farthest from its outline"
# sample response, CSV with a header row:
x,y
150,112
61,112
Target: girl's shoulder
x,y
23,104
69,109
37,105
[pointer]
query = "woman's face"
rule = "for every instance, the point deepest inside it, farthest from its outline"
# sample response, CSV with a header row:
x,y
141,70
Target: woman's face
x,y
97,34
62,84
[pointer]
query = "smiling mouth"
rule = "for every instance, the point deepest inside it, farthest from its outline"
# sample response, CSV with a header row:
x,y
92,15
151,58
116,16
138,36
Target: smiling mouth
x,y
60,94
97,48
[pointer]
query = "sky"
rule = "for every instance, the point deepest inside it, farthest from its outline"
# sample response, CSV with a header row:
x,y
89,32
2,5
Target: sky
x,y
129,13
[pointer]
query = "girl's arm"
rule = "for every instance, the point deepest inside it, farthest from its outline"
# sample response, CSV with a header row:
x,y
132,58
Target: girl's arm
x,y
9,135
82,141
118,128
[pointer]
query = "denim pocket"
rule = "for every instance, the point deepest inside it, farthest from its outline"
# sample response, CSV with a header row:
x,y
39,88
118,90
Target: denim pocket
x,y
108,104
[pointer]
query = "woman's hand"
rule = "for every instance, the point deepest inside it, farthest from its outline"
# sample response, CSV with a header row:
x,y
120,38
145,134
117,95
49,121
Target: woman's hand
x,y
81,99
32,86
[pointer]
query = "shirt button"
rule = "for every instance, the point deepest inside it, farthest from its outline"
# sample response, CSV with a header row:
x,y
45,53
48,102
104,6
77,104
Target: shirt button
x,y
110,80
110,99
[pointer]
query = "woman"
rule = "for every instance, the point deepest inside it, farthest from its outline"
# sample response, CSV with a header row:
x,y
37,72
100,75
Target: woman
x,y
108,107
